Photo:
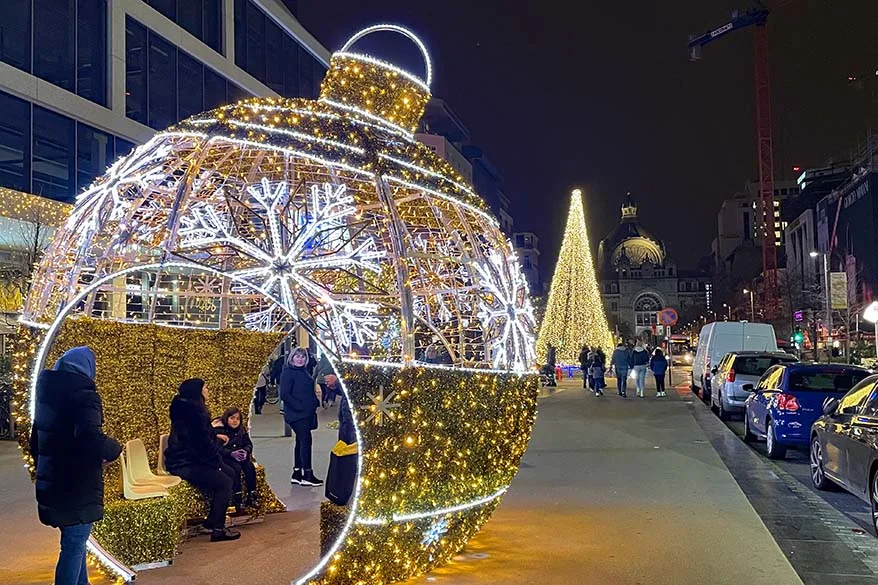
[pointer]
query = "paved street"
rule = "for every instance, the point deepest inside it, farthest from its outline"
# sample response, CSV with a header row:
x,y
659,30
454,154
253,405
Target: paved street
x,y
636,491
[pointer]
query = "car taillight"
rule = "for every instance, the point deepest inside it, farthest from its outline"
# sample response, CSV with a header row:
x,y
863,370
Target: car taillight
x,y
787,402
707,370
731,376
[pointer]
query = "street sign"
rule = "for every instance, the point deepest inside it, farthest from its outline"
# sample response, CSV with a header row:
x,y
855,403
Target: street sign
x,y
668,317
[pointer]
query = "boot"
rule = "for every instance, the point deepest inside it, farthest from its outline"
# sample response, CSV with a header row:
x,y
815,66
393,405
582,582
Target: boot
x,y
309,479
296,477
221,534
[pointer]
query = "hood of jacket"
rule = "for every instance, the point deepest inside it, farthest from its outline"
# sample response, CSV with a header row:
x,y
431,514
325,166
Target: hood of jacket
x,y
639,349
79,360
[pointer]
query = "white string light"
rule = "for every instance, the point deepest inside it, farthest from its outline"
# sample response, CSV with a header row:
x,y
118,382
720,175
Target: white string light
x,y
403,31
381,121
432,513
483,214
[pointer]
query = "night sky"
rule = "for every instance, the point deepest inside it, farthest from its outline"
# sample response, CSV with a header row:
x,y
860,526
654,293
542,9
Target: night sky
x,y
602,95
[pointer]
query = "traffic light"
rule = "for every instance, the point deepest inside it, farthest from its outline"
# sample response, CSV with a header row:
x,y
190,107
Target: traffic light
x,y
798,336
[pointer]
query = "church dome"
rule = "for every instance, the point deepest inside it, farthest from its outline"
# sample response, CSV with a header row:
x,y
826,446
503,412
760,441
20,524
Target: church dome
x,y
630,244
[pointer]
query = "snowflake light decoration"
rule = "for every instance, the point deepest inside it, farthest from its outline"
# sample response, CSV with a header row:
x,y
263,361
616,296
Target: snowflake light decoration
x,y
505,310
434,533
382,406
302,240
141,168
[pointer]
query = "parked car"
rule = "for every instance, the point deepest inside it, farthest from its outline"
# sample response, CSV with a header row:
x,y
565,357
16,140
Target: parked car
x,y
844,444
736,369
718,339
789,398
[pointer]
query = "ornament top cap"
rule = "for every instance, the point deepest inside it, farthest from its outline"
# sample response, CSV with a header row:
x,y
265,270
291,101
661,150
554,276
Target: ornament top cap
x,y
373,88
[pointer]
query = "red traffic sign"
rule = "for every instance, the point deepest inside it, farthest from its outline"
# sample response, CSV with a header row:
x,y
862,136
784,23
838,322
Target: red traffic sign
x,y
668,317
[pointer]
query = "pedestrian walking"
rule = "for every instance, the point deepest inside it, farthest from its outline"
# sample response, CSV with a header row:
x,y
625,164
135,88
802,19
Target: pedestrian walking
x,y
261,393
585,365
658,364
548,370
193,453
621,363
598,366
640,362
300,413
69,449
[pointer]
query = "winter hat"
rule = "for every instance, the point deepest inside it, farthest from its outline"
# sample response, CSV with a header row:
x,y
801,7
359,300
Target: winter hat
x,y
79,360
191,389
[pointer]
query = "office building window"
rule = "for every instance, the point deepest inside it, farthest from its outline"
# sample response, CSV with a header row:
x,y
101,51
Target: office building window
x,y
265,51
201,18
95,151
91,50
165,85
15,33
306,74
161,83
14,143
291,67
54,42
123,147
274,68
53,155
135,71
49,154
190,76
214,89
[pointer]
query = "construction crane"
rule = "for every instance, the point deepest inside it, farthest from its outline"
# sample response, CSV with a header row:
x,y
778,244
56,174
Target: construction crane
x,y
757,16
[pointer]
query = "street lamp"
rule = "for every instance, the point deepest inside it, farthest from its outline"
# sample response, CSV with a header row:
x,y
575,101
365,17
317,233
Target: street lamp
x,y
815,254
752,306
729,311
871,315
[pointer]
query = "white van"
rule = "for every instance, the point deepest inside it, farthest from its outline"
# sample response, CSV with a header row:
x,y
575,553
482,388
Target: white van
x,y
719,338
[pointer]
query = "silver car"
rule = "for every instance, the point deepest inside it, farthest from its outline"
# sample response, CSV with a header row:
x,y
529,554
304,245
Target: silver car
x,y
736,369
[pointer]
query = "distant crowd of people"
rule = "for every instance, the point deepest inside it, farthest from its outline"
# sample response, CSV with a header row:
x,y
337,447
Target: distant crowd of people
x,y
625,360
638,360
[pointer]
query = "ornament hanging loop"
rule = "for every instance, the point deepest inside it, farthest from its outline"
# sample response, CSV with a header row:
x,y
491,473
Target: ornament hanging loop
x,y
404,32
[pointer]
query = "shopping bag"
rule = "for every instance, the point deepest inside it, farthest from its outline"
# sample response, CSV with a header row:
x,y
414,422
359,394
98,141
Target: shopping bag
x,y
342,473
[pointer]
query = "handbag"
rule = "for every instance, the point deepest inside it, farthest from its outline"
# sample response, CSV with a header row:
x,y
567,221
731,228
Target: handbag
x,y
342,473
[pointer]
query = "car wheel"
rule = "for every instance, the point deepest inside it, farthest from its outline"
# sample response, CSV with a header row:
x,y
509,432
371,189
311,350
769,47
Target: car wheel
x,y
705,391
818,477
720,409
748,436
775,451
874,499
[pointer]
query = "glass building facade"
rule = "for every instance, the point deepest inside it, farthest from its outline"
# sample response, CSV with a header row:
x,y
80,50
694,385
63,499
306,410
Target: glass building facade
x,y
56,148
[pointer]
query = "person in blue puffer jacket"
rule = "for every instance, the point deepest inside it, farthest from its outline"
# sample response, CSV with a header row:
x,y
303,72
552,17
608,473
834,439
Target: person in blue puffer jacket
x,y
658,365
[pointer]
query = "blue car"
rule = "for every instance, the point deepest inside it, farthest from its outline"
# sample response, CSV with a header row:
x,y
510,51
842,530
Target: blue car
x,y
788,399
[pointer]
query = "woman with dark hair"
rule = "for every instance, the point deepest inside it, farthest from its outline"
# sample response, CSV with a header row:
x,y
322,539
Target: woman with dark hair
x,y
69,447
300,412
193,453
237,452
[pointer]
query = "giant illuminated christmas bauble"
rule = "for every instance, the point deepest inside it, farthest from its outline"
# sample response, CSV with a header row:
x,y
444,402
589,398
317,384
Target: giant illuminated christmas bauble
x,y
327,214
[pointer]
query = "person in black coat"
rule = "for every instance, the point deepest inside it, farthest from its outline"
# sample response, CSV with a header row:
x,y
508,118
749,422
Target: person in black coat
x,y
300,413
236,449
193,453
69,449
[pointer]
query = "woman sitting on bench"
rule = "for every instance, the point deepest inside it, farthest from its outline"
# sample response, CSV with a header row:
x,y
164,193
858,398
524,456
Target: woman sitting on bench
x,y
237,452
193,454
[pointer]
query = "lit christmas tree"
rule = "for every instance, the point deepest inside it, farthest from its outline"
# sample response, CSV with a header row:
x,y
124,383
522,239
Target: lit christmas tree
x,y
574,313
